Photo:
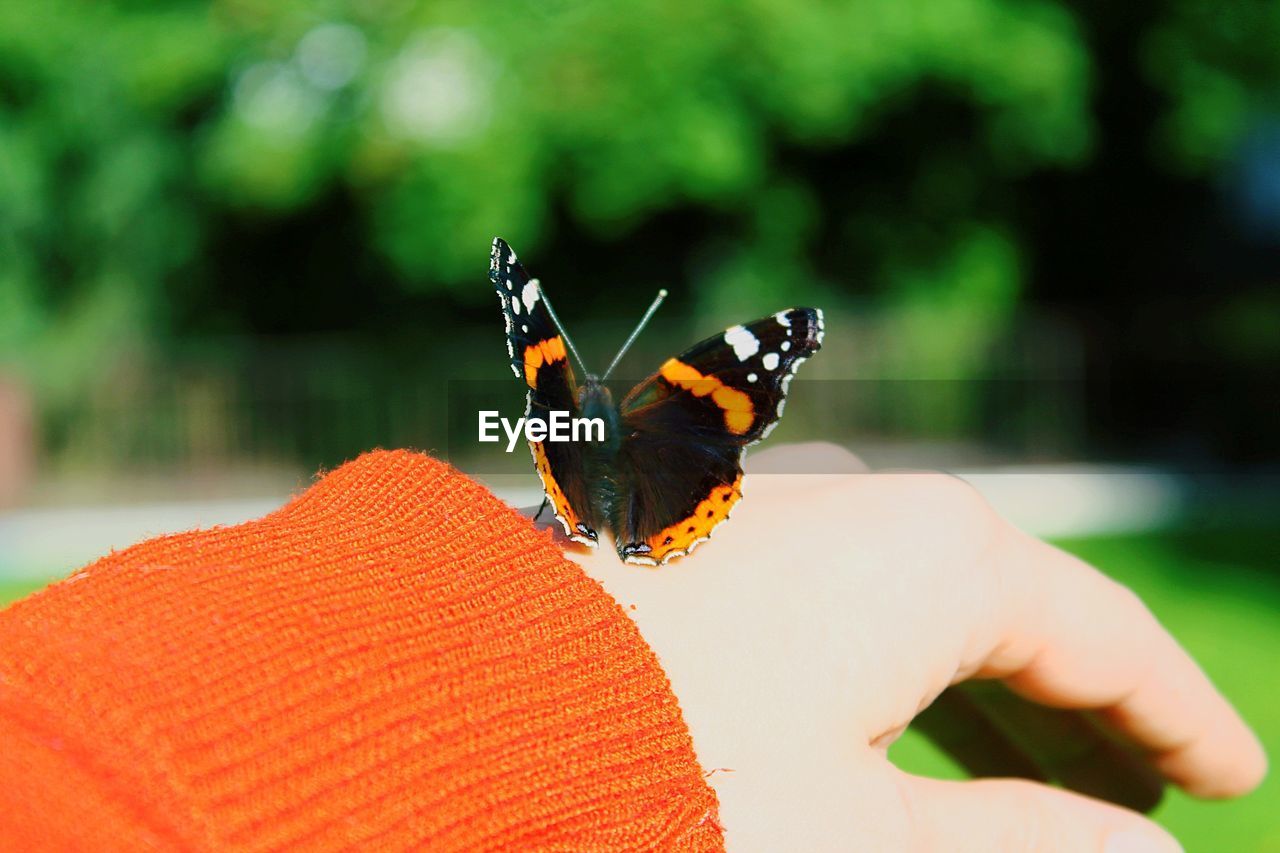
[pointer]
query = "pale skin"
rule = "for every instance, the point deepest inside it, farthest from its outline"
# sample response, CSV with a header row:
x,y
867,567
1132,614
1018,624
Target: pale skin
x,y
804,637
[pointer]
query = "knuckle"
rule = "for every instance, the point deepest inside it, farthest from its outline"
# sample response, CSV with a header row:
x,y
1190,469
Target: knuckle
x,y
948,490
953,509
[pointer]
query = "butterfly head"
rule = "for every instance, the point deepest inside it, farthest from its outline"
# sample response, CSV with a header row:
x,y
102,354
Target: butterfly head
x,y
595,401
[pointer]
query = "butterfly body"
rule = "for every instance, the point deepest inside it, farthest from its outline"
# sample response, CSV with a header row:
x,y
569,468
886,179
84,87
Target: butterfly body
x,y
669,468
599,458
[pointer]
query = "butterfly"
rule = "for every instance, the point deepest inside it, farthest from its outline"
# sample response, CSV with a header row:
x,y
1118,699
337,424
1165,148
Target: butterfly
x,y
669,469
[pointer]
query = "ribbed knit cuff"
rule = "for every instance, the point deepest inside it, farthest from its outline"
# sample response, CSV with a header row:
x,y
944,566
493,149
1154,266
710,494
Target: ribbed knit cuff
x,y
393,659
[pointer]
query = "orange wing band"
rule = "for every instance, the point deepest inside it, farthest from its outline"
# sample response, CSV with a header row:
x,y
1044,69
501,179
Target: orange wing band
x,y
559,502
683,535
739,414
543,352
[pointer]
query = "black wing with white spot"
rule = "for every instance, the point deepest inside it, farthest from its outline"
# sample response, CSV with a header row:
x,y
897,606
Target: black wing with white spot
x,y
732,387
529,323
678,472
538,356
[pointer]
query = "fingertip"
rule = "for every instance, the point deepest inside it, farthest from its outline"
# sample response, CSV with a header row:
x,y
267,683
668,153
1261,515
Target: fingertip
x,y
1248,770
1232,770
1254,768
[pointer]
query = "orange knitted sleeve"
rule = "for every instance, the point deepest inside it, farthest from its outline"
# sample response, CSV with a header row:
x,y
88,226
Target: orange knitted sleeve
x,y
393,659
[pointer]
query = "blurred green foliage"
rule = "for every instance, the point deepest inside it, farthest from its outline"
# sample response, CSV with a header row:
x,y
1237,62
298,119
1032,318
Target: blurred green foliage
x,y
1218,65
130,134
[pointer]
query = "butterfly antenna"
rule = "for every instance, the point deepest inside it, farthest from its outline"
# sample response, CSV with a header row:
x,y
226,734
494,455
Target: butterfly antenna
x,y
662,294
559,327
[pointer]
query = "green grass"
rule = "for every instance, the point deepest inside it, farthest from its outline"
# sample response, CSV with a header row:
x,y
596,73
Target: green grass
x,y
12,590
1218,591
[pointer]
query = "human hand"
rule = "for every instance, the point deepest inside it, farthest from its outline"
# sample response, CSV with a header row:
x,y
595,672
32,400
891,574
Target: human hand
x,y
809,632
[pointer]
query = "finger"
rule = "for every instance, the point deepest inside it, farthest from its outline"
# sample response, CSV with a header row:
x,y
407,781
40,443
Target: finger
x,y
1065,746
1013,814
960,727
812,457
1068,636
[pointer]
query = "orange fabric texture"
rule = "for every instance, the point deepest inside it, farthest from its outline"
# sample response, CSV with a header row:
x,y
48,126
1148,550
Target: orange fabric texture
x,y
394,659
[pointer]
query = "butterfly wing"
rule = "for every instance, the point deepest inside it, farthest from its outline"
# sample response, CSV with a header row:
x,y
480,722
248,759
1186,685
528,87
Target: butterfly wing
x,y
538,356
678,473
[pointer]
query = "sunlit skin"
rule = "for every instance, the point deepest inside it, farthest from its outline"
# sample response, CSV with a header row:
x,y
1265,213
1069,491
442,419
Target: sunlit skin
x,y
803,638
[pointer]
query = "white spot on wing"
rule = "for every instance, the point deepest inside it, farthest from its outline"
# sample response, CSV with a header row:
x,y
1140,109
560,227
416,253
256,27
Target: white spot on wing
x,y
529,295
786,345
743,342
751,377
770,361
506,321
783,319
515,305
524,328
790,374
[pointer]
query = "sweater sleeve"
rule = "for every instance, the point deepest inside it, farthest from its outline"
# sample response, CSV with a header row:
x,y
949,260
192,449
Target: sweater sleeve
x,y
393,659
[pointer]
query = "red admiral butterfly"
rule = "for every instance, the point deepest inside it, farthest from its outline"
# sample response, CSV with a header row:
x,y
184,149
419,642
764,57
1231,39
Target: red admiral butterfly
x,y
670,467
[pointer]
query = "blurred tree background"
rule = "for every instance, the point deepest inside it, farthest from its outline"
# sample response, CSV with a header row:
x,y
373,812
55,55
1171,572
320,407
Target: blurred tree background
x,y
194,177
242,234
